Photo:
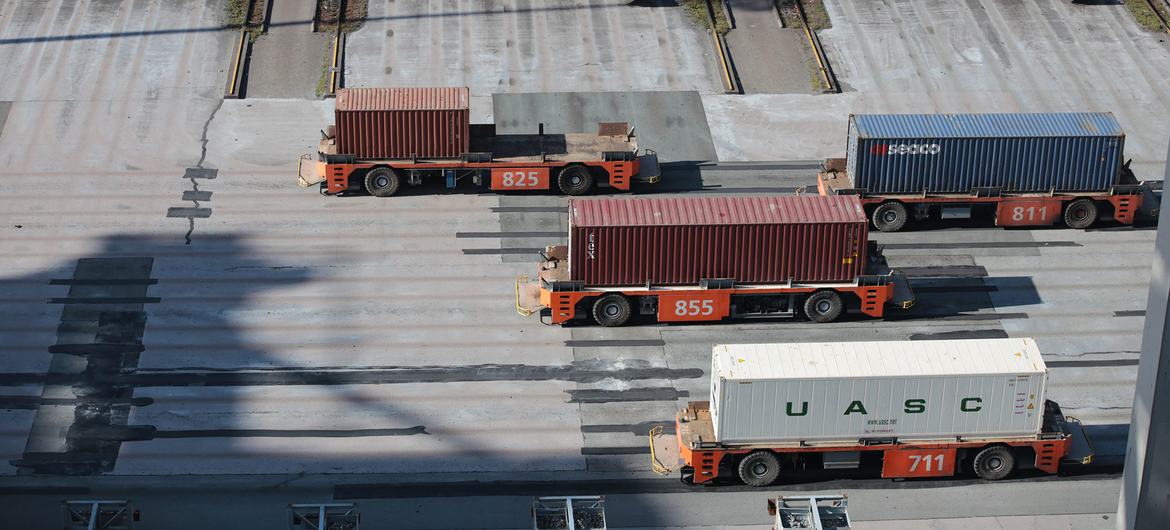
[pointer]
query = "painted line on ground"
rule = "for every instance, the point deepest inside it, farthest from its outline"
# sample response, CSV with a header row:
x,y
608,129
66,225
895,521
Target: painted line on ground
x,y
1090,363
983,244
491,235
630,343
599,451
637,429
528,209
289,433
497,251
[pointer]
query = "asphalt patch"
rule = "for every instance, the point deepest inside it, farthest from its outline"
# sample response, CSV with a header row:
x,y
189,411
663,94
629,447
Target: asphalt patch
x,y
962,335
592,395
112,314
586,371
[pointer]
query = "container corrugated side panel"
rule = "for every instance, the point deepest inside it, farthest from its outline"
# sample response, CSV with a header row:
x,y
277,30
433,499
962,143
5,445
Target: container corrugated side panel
x,y
1022,165
948,163
851,149
680,241
403,98
759,411
717,386
680,255
401,134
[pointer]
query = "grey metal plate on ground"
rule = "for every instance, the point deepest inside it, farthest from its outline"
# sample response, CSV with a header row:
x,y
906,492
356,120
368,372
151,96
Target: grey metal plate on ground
x,y
672,123
5,106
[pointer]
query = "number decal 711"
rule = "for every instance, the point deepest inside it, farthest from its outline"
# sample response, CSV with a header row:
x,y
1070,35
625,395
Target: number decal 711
x,y
903,463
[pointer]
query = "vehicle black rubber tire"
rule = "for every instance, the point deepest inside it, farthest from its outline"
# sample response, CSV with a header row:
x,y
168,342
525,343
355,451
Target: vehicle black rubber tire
x,y
994,463
612,310
575,180
382,182
759,469
889,216
823,306
1081,213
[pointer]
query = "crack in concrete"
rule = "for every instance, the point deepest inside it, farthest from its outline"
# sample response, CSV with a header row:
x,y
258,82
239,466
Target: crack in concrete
x,y
195,185
203,139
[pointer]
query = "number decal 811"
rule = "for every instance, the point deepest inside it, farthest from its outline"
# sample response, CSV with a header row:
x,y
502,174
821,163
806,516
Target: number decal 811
x,y
1027,212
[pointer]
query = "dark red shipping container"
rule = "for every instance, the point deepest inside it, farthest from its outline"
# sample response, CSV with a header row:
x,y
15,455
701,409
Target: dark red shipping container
x,y
682,240
399,123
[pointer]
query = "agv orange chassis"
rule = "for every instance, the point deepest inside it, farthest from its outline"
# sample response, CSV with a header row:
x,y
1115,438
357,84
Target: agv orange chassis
x,y
562,301
1061,441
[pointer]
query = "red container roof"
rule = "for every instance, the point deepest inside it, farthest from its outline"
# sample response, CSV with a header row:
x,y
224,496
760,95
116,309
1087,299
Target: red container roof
x,y
702,211
386,99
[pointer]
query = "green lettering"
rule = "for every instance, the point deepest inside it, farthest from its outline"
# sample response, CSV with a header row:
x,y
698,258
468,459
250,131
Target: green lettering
x,y
856,406
976,408
915,406
803,409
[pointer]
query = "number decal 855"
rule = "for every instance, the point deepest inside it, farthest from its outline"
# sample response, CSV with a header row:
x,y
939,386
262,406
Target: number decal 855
x,y
691,308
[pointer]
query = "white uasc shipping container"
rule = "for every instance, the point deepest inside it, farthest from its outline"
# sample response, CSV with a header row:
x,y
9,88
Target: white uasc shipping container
x,y
846,391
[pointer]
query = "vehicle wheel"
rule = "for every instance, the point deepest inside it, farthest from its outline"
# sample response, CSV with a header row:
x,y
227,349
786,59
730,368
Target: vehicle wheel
x,y
889,216
1081,213
612,310
823,306
382,182
994,463
575,180
759,469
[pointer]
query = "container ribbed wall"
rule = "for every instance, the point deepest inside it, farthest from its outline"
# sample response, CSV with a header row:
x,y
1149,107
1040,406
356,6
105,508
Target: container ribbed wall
x,y
399,123
955,153
682,240
845,391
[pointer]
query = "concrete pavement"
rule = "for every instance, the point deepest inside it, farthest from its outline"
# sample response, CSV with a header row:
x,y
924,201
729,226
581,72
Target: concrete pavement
x,y
926,56
287,61
769,59
344,347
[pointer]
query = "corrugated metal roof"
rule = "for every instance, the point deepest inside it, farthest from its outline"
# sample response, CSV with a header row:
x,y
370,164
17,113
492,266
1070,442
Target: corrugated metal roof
x,y
986,125
817,360
671,211
440,98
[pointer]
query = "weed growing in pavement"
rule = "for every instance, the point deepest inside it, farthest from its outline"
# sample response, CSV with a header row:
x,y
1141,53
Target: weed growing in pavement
x,y
697,9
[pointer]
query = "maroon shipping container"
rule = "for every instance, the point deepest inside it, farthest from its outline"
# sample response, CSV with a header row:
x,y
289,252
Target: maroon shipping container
x,y
399,123
682,240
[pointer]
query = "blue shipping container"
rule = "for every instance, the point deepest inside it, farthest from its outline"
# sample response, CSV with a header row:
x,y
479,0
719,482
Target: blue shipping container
x,y
955,153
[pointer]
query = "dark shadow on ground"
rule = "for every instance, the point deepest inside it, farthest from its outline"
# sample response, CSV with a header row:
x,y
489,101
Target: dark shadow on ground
x,y
107,312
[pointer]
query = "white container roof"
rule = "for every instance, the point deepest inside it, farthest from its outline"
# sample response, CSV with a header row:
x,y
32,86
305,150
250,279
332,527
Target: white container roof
x,y
911,358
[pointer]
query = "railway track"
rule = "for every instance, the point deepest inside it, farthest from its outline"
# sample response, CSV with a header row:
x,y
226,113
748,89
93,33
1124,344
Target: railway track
x,y
1158,13
826,76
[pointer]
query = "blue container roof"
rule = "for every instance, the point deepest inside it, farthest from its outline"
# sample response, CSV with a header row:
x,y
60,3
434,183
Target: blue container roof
x,y
1075,124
